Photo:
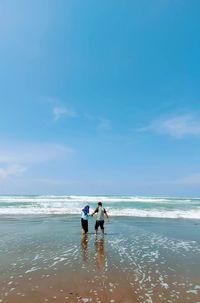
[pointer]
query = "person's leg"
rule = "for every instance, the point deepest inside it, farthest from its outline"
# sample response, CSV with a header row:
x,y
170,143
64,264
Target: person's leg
x,y
84,226
96,227
102,227
83,232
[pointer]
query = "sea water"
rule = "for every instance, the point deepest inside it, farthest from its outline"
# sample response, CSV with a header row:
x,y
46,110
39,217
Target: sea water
x,y
150,252
44,258
135,206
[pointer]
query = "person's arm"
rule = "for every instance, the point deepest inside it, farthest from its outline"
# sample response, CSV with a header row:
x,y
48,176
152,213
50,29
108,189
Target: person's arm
x,y
105,212
95,211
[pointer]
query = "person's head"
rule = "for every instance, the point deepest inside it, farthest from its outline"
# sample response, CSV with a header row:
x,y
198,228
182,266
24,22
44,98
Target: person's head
x,y
99,203
86,209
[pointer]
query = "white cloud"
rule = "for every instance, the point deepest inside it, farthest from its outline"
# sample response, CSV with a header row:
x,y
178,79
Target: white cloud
x,y
13,170
62,111
178,126
15,159
59,112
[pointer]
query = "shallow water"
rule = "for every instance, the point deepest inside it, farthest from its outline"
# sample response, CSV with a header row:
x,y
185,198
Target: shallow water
x,y
44,258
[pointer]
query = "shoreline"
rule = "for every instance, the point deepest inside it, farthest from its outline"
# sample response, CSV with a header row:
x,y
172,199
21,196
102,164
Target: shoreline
x,y
45,259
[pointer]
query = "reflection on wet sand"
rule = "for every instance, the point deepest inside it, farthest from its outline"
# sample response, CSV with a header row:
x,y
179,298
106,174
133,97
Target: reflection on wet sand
x,y
84,248
99,252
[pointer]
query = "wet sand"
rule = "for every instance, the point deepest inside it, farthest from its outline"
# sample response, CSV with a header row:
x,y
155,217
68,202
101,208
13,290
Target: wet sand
x,y
45,259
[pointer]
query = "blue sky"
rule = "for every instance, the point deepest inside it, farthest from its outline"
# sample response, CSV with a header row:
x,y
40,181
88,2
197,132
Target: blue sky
x,y
100,97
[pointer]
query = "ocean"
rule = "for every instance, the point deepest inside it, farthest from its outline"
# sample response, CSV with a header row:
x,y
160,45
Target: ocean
x,y
134,206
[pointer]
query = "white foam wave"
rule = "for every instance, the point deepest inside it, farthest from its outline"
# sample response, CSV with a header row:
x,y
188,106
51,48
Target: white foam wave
x,y
126,205
94,199
153,213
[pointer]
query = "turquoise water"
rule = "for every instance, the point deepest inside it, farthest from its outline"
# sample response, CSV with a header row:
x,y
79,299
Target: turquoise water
x,y
136,206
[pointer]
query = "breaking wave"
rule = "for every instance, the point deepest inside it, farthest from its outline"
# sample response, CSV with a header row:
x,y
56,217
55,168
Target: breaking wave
x,y
135,206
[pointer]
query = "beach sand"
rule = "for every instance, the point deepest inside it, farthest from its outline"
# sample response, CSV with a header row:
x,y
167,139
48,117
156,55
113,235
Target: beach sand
x,y
45,259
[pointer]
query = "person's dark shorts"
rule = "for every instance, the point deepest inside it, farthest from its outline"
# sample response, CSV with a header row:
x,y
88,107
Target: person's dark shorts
x,y
99,223
84,224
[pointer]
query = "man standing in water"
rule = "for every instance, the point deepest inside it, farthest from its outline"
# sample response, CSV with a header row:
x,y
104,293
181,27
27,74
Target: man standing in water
x,y
100,217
